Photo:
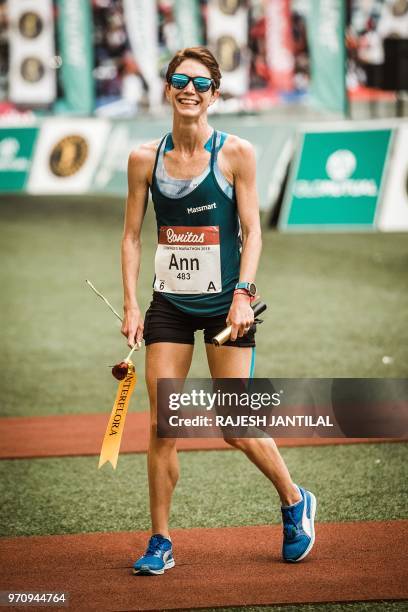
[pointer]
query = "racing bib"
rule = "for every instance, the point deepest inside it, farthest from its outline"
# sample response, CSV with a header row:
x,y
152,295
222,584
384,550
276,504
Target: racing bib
x,y
188,260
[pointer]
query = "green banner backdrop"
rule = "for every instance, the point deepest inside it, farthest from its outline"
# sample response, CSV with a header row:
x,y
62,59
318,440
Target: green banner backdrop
x,y
326,39
75,35
188,20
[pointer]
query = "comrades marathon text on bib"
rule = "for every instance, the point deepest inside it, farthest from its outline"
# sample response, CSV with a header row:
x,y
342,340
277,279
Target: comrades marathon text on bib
x,y
188,260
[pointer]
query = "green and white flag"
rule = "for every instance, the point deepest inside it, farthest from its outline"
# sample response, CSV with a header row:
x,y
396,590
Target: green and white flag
x,y
188,20
75,35
326,39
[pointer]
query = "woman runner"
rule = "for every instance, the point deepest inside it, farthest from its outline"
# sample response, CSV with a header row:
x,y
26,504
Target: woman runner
x,y
202,183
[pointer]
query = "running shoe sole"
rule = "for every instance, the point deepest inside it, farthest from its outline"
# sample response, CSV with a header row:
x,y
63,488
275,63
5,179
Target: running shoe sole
x,y
145,571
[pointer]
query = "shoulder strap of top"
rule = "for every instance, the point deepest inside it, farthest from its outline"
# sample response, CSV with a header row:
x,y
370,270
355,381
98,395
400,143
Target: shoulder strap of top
x,y
208,144
158,154
221,137
169,145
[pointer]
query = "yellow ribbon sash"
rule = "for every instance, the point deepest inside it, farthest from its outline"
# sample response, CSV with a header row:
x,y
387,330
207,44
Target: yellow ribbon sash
x,y
116,424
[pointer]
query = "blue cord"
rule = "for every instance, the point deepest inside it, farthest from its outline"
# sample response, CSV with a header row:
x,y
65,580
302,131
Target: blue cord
x,y
252,368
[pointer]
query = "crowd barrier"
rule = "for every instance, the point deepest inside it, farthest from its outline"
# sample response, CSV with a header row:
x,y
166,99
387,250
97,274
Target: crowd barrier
x,y
342,176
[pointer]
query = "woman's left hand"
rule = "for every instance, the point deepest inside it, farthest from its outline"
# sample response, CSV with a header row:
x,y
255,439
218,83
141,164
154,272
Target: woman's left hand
x,y
240,316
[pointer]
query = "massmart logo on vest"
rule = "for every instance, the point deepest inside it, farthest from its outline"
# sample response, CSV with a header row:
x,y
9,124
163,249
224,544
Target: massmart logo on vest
x,y
340,167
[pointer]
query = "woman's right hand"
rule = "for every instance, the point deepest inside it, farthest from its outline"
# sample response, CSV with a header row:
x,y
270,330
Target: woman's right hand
x,y
132,325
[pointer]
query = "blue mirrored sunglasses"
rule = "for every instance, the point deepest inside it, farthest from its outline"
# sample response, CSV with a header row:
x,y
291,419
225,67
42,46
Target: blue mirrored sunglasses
x,y
201,84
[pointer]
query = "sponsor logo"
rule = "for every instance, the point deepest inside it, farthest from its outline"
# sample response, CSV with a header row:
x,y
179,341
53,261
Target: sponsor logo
x,y
201,208
340,167
183,237
229,7
30,25
228,53
68,155
399,8
306,522
32,69
341,164
9,160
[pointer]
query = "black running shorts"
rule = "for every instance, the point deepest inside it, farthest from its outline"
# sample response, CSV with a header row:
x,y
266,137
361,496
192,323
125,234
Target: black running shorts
x,y
164,322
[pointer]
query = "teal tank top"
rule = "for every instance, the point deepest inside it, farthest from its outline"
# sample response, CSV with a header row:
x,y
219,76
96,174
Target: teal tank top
x,y
198,253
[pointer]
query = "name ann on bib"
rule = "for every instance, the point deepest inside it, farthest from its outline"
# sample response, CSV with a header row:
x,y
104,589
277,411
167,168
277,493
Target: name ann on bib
x,y
188,260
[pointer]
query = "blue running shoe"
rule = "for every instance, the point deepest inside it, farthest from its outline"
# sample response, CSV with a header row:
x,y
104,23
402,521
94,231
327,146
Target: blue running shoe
x,y
157,558
298,527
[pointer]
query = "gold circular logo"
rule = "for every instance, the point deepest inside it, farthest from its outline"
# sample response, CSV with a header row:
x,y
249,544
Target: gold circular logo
x,y
229,7
228,53
68,155
400,8
30,25
32,69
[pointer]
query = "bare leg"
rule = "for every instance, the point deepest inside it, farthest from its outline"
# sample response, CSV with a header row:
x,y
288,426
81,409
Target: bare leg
x,y
234,362
163,360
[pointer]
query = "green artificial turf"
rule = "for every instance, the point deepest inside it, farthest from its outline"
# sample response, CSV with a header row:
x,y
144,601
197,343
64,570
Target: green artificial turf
x,y
216,489
337,305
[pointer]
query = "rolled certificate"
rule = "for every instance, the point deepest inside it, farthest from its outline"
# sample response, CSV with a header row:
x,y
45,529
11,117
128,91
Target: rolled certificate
x,y
225,334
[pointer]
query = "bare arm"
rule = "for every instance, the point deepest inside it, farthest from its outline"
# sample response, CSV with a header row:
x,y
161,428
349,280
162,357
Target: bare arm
x,y
244,170
248,211
138,186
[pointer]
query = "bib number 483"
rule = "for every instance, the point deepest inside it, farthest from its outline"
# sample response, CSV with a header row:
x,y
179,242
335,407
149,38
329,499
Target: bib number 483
x,y
188,260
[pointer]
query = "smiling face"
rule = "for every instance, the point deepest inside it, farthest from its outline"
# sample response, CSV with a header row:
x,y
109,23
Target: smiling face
x,y
188,102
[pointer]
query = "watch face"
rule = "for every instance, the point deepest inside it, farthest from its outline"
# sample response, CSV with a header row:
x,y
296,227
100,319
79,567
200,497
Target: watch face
x,y
249,287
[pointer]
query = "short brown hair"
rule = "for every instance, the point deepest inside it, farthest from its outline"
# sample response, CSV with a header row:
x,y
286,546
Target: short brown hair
x,y
201,54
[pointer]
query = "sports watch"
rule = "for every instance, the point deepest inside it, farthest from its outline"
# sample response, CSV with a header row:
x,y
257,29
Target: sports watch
x,y
250,288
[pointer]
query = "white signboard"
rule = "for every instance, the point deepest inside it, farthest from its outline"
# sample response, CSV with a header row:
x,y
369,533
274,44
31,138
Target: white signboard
x,y
32,76
67,155
227,27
